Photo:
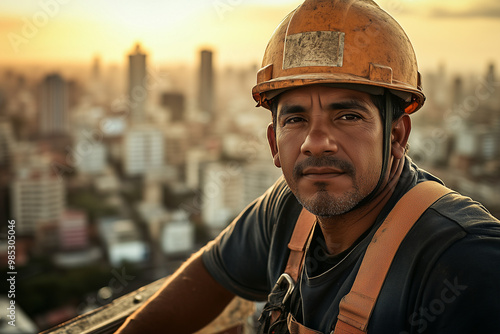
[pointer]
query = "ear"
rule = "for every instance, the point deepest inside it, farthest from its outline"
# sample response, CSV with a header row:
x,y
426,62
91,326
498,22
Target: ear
x,y
271,139
400,133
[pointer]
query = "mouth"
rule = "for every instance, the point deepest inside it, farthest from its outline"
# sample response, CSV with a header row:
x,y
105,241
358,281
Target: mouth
x,y
323,169
319,173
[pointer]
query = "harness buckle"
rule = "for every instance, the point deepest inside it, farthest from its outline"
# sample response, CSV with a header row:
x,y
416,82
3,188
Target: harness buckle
x,y
291,285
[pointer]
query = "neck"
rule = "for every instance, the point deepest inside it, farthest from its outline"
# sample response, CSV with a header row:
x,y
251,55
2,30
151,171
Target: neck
x,y
342,231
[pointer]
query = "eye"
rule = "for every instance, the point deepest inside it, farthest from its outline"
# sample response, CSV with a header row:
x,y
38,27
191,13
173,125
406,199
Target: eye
x,y
350,117
293,120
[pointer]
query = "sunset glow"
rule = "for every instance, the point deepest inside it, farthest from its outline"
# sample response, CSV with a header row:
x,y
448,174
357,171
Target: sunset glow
x,y
463,34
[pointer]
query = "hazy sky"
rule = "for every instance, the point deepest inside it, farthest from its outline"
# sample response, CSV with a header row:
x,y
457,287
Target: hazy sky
x,y
465,34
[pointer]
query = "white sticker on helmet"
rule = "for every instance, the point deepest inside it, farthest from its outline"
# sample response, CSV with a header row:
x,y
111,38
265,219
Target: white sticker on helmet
x,y
317,48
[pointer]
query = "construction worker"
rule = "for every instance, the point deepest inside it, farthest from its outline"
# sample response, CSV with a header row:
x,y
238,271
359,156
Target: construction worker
x,y
340,78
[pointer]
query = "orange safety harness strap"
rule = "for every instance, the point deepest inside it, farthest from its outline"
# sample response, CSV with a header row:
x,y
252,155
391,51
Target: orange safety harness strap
x,y
294,327
297,245
356,307
298,242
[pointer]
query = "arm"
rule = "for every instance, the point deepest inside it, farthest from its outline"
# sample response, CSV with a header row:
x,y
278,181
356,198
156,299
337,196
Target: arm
x,y
188,301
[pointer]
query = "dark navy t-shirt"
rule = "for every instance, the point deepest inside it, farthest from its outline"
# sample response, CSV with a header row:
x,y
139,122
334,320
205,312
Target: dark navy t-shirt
x,y
444,278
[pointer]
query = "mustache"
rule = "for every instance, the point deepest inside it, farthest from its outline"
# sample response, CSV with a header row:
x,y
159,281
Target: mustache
x,y
324,161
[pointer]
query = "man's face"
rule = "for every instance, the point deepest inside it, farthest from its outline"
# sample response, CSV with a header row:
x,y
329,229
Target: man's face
x,y
328,142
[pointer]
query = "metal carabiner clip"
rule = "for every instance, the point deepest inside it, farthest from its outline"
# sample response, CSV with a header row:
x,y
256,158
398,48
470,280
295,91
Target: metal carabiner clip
x,y
291,285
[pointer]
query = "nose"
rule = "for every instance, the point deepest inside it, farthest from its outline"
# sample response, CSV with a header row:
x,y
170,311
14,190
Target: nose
x,y
320,139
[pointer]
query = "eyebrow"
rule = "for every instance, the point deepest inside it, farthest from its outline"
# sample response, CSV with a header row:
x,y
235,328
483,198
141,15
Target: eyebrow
x,y
347,105
291,109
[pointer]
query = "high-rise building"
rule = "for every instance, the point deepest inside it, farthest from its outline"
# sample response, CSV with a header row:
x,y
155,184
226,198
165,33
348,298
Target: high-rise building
x,y
457,91
178,235
122,240
137,91
7,142
175,103
38,197
490,75
143,150
96,68
222,194
54,105
73,230
96,87
206,85
176,145
90,156
437,92
228,187
196,160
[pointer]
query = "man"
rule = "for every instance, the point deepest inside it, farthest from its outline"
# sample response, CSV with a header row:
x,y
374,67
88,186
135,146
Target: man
x,y
341,80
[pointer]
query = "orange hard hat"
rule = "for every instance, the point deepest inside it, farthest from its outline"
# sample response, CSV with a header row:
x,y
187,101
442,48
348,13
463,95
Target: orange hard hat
x,y
349,43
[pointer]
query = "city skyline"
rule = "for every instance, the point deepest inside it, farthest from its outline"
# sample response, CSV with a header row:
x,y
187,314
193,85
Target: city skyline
x,y
458,33
129,137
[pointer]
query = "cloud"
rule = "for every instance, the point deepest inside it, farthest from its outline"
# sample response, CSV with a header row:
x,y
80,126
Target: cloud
x,y
478,9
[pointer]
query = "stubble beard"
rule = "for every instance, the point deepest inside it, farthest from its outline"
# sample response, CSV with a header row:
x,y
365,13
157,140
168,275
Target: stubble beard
x,y
323,204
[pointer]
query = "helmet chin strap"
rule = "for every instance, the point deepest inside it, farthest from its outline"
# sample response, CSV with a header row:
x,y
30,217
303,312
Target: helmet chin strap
x,y
386,150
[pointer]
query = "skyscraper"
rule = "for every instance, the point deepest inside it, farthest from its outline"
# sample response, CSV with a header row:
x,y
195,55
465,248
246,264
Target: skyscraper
x,y
96,68
457,91
38,197
7,142
54,105
222,195
490,76
144,150
137,91
206,84
175,103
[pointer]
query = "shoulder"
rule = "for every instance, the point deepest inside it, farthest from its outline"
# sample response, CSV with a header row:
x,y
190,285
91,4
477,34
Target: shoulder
x,y
455,230
471,232
466,253
449,265
461,290
476,238
466,214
